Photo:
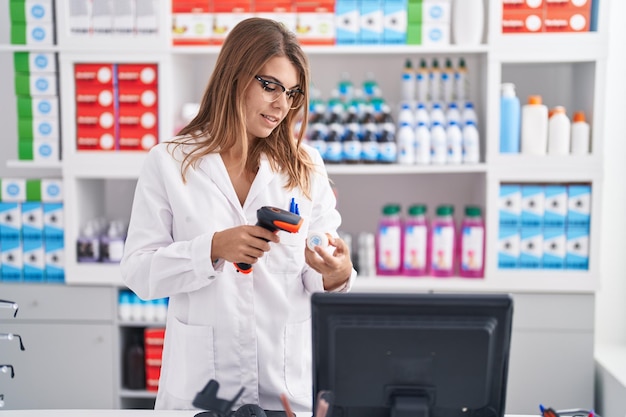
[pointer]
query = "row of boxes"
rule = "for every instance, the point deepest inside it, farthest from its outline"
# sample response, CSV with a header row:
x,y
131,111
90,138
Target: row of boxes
x,y
88,18
37,99
31,231
532,16
116,106
32,22
153,342
322,22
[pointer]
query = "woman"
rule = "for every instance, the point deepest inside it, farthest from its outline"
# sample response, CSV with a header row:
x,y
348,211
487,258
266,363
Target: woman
x,y
194,215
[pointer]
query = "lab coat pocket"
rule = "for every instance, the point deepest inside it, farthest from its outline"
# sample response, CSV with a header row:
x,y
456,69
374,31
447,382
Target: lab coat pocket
x,y
190,359
288,255
298,374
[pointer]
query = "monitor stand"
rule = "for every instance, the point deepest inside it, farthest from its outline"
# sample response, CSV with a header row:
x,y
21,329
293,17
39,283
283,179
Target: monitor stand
x,y
410,406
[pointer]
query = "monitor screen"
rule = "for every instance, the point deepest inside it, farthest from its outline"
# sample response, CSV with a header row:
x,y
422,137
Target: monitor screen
x,y
418,355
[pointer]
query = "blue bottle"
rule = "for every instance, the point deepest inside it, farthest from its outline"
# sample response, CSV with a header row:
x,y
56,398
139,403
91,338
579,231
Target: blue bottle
x,y
510,118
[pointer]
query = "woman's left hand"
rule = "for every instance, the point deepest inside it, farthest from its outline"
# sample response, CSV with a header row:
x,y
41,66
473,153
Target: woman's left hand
x,y
335,266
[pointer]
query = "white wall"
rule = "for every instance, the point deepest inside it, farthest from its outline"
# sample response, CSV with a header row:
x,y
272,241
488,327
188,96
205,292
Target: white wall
x,y
611,299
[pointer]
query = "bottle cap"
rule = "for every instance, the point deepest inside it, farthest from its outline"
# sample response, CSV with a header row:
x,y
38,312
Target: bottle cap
x,y
445,210
579,116
391,209
417,210
472,211
557,110
534,99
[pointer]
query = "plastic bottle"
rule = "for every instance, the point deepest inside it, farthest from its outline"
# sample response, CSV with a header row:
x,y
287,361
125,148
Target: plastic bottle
x,y
406,114
389,241
469,113
422,80
442,242
454,144
472,244
422,115
437,114
534,131
460,81
447,82
559,132
435,81
387,147
370,86
471,144
351,141
438,144
422,144
415,258
408,82
453,114
345,87
134,364
510,117
406,144
369,140
88,243
467,22
112,243
580,134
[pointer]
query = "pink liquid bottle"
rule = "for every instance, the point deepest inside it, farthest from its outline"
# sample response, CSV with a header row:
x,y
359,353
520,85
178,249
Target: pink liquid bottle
x,y
472,244
389,241
442,243
415,259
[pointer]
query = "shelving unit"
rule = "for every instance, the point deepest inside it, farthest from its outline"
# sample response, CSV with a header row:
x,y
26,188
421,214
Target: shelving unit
x,y
567,69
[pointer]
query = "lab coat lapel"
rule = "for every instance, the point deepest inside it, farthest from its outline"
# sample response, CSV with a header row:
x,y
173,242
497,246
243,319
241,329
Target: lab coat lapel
x,y
264,176
213,166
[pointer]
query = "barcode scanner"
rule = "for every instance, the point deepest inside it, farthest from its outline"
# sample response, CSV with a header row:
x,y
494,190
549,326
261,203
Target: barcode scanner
x,y
273,219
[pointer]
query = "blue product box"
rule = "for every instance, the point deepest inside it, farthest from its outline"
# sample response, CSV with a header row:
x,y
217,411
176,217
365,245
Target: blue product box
x,y
371,22
533,205
32,220
54,269
33,260
395,21
11,265
508,247
577,256
555,206
53,221
510,205
531,247
347,22
578,205
554,247
10,220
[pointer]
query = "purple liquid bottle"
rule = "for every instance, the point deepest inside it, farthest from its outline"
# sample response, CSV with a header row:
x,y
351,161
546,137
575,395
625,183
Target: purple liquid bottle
x,y
472,244
442,243
415,259
389,242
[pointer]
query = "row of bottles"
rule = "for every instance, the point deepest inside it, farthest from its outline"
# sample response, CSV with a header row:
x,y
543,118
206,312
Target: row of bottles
x,y
433,83
534,130
413,246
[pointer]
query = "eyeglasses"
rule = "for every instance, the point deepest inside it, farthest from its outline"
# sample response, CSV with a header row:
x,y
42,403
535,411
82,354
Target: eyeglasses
x,y
578,412
10,336
5,368
272,91
9,304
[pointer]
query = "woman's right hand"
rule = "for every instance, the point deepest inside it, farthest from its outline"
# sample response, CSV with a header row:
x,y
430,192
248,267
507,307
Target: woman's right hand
x,y
242,244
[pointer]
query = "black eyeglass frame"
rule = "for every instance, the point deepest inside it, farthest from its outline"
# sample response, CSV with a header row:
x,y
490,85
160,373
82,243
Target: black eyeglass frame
x,y
2,369
10,304
294,94
10,336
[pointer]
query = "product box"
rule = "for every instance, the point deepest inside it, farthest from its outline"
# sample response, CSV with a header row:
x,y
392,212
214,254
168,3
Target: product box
x,y
37,106
47,190
53,221
347,22
566,21
137,139
436,11
508,247
11,263
32,34
40,150
31,11
123,17
10,220
531,247
192,22
577,256
95,117
93,74
578,205
371,22
554,247
33,259
12,190
35,62
147,17
523,5
54,270
101,18
32,221
137,75
533,205
79,18
524,21
394,22
435,34
282,11
36,84
315,22
95,96
94,138
226,15
38,128
555,206
510,205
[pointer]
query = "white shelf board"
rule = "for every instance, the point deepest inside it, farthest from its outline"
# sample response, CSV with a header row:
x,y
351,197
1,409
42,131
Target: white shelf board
x,y
612,357
546,168
129,393
99,164
549,47
28,48
93,274
382,169
55,165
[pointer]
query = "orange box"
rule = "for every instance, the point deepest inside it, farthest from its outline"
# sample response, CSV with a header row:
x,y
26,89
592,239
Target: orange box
x,y
93,74
192,22
137,74
522,21
95,95
93,138
579,6
315,22
521,5
566,21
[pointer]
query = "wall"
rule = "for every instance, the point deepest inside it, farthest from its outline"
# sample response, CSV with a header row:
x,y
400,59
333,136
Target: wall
x,y
610,306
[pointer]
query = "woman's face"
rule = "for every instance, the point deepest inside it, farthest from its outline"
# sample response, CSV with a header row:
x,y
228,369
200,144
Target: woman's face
x,y
262,117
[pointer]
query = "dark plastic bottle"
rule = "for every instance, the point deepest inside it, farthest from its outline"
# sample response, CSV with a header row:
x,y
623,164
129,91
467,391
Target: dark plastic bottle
x,y
134,364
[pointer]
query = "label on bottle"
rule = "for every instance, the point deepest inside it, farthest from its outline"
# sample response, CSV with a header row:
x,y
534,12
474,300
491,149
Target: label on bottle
x,y
472,248
415,247
443,248
389,248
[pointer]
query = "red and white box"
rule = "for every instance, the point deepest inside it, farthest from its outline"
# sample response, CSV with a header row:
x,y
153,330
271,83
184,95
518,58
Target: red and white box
x,y
137,74
315,22
522,21
523,5
226,15
192,22
567,16
93,74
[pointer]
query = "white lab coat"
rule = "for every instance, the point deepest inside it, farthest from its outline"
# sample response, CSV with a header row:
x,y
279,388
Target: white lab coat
x,y
251,331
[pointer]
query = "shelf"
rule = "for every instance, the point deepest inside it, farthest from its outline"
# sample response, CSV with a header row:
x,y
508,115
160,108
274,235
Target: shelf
x,y
129,393
382,169
99,164
546,168
54,165
93,273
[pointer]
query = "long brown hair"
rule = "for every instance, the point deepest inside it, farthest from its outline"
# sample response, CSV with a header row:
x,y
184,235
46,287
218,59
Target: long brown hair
x,y
220,123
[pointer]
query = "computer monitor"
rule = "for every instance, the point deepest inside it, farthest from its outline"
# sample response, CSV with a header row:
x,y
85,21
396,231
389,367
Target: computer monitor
x,y
418,355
